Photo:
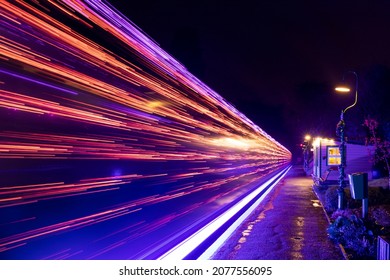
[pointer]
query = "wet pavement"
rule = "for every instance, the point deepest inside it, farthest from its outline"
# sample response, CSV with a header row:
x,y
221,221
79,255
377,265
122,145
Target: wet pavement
x,y
290,224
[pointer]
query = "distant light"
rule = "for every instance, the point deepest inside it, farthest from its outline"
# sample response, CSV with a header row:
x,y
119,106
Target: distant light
x,y
342,89
317,141
155,104
237,143
307,137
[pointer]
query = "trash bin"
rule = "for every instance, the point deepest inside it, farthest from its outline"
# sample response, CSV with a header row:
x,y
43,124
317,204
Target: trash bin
x,y
358,185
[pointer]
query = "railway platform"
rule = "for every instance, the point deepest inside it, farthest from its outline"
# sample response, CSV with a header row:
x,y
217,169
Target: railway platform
x,y
290,224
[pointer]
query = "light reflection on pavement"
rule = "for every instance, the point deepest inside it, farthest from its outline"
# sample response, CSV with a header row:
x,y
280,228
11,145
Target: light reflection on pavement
x,y
289,225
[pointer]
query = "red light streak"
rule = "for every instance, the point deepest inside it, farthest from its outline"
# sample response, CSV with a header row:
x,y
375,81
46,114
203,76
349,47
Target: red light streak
x,y
67,98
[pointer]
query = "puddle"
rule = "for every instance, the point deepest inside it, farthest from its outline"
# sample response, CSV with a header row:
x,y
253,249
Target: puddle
x,y
316,203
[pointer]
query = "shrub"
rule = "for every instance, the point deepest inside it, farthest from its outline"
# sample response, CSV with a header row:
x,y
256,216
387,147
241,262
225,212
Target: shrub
x,y
381,215
351,232
331,199
376,196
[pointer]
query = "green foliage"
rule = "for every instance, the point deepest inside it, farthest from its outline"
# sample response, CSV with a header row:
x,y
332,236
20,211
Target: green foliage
x,y
351,232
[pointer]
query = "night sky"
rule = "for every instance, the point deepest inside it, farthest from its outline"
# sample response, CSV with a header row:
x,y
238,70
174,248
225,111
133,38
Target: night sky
x,y
277,61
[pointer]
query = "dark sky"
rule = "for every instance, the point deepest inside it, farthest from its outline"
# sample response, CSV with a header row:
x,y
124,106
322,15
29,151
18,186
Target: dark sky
x,y
273,60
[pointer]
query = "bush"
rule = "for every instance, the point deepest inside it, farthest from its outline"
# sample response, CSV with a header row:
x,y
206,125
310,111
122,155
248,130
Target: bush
x,y
376,196
381,215
331,199
351,232
358,237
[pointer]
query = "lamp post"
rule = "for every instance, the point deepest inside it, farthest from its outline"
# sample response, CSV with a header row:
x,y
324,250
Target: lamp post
x,y
340,131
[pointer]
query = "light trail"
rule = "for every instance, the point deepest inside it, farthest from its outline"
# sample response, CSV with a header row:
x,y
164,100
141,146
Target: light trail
x,y
195,241
106,141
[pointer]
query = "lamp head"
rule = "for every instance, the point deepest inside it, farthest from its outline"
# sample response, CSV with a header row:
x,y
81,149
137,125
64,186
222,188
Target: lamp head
x,y
343,88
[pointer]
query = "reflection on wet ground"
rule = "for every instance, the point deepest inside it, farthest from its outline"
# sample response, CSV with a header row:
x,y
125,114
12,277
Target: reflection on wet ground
x,y
289,224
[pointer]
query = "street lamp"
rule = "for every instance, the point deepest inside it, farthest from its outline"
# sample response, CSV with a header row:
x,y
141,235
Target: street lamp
x,y
340,132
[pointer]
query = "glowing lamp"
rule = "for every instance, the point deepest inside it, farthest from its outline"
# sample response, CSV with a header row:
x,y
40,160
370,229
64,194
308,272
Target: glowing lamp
x,y
342,89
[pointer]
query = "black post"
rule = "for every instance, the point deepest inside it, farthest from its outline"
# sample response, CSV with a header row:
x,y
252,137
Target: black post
x,y
340,132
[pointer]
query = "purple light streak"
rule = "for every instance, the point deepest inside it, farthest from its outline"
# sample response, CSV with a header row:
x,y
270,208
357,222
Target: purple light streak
x,y
126,130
